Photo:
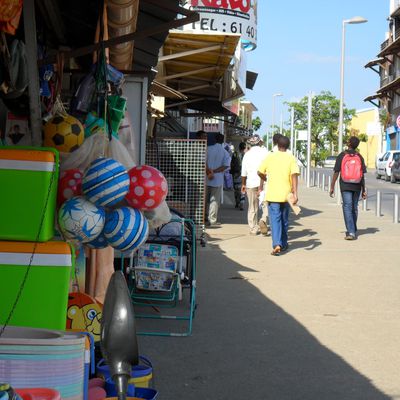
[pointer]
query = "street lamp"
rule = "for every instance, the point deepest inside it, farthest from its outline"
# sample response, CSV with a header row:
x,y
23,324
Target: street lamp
x,y
354,20
273,111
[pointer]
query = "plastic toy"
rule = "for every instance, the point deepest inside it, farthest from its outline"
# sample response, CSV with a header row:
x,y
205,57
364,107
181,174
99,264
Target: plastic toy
x,y
63,132
148,187
84,314
126,229
69,185
106,182
81,220
99,243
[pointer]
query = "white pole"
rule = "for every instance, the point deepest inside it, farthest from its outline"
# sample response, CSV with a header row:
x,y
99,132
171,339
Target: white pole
x,y
340,131
309,139
281,125
292,139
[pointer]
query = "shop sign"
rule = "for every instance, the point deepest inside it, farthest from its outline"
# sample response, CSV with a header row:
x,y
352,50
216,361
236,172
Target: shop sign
x,y
230,16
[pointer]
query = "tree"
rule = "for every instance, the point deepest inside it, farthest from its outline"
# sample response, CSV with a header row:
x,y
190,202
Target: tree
x,y
256,122
324,124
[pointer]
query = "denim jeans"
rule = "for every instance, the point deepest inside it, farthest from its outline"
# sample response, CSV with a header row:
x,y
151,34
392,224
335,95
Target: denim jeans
x,y
350,211
279,221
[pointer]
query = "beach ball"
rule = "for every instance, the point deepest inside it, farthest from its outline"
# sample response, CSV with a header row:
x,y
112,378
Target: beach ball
x,y
148,187
63,132
81,220
126,229
69,185
99,243
106,182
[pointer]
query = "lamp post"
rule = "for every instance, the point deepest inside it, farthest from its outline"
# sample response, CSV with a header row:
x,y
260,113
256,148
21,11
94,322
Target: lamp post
x,y
273,112
354,20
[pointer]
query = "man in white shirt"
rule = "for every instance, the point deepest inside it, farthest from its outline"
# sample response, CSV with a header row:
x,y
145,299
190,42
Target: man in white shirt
x,y
218,160
250,179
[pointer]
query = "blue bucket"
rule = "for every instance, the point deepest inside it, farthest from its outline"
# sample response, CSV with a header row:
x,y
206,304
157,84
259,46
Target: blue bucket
x,y
142,393
140,375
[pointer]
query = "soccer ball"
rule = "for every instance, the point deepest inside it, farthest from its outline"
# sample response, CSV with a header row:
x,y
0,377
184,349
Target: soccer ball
x,y
106,182
81,220
63,132
99,243
126,229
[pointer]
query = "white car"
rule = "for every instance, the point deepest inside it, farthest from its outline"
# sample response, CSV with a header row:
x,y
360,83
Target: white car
x,y
384,164
329,162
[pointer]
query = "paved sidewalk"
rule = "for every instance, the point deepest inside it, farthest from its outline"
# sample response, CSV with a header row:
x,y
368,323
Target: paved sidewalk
x,y
319,322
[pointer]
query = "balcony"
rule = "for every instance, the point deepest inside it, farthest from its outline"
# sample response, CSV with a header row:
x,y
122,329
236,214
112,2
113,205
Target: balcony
x,y
391,45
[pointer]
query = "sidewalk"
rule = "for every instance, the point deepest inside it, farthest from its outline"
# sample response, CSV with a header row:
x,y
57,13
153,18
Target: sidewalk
x,y
319,322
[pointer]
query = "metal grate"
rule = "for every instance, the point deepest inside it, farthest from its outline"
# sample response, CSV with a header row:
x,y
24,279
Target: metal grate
x,y
183,163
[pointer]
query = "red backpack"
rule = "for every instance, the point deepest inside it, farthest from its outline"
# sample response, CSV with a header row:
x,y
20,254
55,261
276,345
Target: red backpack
x,y
351,169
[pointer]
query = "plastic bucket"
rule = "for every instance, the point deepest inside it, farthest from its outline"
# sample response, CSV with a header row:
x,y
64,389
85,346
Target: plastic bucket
x,y
141,374
142,393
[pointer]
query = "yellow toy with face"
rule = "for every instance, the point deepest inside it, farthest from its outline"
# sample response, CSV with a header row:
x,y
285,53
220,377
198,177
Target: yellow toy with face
x,y
84,314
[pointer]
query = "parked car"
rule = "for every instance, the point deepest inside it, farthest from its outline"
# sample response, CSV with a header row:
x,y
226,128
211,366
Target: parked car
x,y
329,162
384,164
395,173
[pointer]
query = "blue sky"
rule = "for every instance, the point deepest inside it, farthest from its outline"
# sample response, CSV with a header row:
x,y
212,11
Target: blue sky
x,y
299,48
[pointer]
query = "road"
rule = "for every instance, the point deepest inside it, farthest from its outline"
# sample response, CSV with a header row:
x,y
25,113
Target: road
x,y
387,190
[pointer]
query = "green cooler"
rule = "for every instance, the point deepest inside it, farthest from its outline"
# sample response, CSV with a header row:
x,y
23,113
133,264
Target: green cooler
x,y
28,181
44,298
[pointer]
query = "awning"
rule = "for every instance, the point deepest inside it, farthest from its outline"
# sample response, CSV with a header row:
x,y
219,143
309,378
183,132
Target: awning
x,y
194,64
395,84
392,48
374,97
159,89
376,61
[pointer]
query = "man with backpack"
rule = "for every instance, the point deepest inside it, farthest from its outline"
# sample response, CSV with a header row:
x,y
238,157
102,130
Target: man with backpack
x,y
351,167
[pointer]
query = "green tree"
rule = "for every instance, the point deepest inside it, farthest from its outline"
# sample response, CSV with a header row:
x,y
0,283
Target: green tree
x,y
324,124
256,122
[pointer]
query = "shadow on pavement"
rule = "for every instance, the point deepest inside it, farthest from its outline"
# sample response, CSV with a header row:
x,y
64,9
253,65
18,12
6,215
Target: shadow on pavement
x,y
367,231
245,346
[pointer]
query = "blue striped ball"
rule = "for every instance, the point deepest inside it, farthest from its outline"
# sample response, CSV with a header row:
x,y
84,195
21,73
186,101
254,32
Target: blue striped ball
x,y
126,229
106,182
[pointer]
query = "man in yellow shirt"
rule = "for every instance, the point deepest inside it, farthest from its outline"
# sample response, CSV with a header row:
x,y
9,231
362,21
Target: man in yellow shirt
x,y
281,170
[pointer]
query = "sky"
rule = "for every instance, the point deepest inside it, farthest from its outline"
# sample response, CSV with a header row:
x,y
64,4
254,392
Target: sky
x,y
299,50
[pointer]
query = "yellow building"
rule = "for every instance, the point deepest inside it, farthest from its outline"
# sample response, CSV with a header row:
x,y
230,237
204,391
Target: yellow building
x,y
366,122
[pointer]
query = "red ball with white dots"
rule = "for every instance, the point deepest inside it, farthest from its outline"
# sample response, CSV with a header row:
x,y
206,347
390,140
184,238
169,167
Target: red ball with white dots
x,y
148,188
69,185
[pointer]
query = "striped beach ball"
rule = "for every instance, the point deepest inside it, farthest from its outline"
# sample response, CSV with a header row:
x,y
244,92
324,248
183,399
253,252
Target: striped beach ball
x,y
126,229
106,182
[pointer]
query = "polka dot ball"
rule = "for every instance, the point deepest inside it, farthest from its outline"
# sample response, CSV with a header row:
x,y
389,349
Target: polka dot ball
x,y
148,187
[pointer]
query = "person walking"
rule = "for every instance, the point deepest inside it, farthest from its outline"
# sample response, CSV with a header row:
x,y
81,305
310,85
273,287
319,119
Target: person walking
x,y
218,160
250,180
281,170
351,167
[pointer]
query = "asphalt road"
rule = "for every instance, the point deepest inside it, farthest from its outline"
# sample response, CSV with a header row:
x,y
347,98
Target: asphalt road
x,y
387,190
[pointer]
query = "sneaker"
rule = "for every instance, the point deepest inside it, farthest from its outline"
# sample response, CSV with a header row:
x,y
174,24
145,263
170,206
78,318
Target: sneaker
x,y
350,237
263,227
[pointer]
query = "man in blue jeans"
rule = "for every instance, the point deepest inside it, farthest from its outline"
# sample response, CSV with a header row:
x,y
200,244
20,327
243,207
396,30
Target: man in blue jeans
x,y
350,191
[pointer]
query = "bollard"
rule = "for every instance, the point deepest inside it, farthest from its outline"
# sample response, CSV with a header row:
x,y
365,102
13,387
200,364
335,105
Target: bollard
x,y
396,208
318,180
323,182
378,203
329,182
313,179
364,205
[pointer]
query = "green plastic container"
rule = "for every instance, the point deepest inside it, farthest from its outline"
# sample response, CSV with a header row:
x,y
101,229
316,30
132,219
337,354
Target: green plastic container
x,y
44,298
28,179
